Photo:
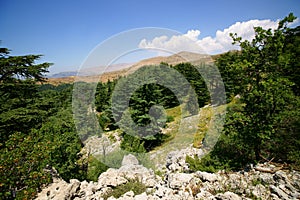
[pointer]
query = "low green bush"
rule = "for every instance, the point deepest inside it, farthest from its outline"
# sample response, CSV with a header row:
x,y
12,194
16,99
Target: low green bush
x,y
132,185
206,164
170,119
95,168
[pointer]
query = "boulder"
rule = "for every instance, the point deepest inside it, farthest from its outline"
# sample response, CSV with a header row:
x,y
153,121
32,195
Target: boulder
x,y
111,178
267,178
54,191
142,196
162,191
228,196
281,194
175,160
203,194
72,189
259,191
129,160
179,180
128,195
205,176
280,177
174,184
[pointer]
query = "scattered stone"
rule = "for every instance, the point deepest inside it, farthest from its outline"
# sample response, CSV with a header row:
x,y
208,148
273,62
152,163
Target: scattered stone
x,y
142,196
228,196
179,185
266,178
205,176
203,195
280,176
274,197
259,191
175,161
111,178
72,188
281,194
179,180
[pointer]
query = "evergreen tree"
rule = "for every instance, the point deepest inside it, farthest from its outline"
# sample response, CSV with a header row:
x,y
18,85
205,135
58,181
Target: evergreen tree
x,y
19,76
263,124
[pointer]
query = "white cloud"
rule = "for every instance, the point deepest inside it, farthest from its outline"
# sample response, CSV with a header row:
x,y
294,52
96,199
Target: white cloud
x,y
193,34
295,23
221,42
177,43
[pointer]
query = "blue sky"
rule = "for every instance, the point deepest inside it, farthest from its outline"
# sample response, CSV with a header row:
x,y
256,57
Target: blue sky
x,y
65,31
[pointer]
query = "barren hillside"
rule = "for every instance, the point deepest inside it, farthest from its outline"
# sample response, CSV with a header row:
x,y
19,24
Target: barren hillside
x,y
181,57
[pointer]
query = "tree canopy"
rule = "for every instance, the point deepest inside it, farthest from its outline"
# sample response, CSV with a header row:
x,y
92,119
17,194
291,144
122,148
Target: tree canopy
x,y
263,124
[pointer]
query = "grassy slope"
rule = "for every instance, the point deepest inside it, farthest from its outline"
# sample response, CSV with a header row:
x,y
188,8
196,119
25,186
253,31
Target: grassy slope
x,y
190,130
183,131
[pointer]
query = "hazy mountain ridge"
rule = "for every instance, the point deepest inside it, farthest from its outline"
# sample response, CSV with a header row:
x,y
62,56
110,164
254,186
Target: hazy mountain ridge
x,y
117,70
92,71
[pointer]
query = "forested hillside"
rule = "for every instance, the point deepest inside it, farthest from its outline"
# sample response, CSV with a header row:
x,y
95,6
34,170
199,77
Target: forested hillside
x,y
37,128
263,125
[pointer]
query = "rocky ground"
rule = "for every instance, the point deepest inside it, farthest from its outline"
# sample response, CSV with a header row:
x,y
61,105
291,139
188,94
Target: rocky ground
x,y
264,181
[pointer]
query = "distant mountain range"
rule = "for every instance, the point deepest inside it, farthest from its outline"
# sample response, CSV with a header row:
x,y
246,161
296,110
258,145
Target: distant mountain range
x,y
92,71
117,70
181,57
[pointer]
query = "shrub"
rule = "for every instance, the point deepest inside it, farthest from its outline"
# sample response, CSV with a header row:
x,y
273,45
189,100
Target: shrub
x,y
95,168
206,163
132,185
170,119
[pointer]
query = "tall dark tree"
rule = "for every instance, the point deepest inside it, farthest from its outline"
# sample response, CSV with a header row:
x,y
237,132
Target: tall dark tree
x,y
265,74
262,124
19,78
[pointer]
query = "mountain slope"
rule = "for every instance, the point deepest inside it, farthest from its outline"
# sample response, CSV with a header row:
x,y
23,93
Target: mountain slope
x,y
115,71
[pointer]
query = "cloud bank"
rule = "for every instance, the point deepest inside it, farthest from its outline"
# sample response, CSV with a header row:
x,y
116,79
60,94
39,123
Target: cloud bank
x,y
220,43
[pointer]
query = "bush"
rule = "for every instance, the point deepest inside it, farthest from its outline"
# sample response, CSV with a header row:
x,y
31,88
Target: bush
x,y
132,144
170,119
132,185
206,163
21,167
95,168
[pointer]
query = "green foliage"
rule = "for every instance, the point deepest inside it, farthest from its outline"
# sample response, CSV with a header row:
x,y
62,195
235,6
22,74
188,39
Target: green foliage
x,y
21,166
103,104
17,69
264,123
132,144
59,131
24,156
85,118
146,103
95,168
18,91
36,128
206,163
191,73
132,185
170,119
143,121
103,95
114,159
203,126
285,143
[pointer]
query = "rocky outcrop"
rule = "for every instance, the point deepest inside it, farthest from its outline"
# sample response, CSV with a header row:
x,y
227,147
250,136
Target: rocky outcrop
x,y
100,146
273,183
175,160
